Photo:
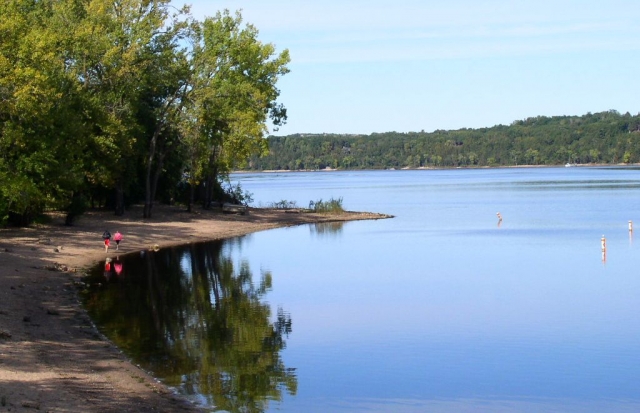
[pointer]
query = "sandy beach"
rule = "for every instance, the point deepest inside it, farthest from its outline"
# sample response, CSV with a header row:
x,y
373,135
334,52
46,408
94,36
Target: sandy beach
x,y
52,359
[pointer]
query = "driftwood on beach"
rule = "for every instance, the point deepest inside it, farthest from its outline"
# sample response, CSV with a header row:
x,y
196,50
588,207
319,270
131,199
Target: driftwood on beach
x,y
234,209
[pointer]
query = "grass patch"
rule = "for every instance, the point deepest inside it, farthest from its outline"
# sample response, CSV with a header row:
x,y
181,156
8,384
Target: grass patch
x,y
332,206
138,378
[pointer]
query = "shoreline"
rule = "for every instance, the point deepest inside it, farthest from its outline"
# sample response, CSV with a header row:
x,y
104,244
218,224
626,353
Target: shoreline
x,y
439,168
52,358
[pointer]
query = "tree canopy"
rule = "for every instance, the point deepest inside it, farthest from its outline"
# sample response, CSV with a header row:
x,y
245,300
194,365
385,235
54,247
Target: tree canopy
x,y
106,102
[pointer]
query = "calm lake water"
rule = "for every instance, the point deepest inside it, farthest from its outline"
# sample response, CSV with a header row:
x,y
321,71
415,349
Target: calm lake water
x,y
440,309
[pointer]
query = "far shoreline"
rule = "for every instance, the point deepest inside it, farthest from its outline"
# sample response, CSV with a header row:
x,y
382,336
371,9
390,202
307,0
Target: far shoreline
x,y
434,168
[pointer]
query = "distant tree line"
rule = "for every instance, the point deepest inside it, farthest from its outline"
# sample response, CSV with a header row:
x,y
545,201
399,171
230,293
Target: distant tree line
x,y
606,137
106,103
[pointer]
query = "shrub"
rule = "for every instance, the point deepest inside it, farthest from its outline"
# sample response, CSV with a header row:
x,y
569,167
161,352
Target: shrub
x,y
237,195
76,207
284,204
332,206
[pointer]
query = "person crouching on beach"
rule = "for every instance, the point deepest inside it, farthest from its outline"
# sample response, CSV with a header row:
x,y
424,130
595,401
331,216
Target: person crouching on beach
x,y
117,237
106,236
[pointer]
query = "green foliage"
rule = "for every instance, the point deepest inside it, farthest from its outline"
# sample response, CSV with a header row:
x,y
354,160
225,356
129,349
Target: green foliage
x,y
77,207
43,132
122,98
607,137
22,200
234,94
236,194
332,206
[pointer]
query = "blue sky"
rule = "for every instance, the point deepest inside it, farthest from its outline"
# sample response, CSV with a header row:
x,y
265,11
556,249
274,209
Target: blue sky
x,y
379,65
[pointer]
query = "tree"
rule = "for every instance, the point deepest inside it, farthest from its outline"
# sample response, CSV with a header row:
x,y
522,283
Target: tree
x,y
100,96
166,91
135,70
42,128
233,95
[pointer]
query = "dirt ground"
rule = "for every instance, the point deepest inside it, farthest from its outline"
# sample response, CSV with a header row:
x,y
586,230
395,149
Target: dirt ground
x,y
52,359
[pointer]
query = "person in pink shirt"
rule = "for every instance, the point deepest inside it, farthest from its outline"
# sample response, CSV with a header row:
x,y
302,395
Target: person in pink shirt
x,y
117,237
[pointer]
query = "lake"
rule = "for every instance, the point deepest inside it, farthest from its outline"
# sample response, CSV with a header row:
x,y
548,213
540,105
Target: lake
x,y
443,308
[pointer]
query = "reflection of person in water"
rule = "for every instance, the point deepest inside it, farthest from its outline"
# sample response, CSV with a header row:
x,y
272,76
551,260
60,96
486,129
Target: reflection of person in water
x,y
117,265
107,269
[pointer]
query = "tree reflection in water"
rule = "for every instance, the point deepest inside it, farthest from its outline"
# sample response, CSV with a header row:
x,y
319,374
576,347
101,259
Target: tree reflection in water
x,y
327,229
198,323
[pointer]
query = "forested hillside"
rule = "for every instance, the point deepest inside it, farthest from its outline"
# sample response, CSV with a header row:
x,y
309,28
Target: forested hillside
x,y
606,137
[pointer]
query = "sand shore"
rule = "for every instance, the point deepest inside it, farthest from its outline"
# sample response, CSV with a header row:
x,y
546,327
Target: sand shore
x,y
52,359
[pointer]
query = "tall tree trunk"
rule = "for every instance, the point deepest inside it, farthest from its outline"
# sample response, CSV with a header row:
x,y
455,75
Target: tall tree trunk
x,y
148,195
192,196
211,179
156,177
208,190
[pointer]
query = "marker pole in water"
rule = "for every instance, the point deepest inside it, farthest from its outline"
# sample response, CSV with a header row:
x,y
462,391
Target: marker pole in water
x,y
603,244
630,226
